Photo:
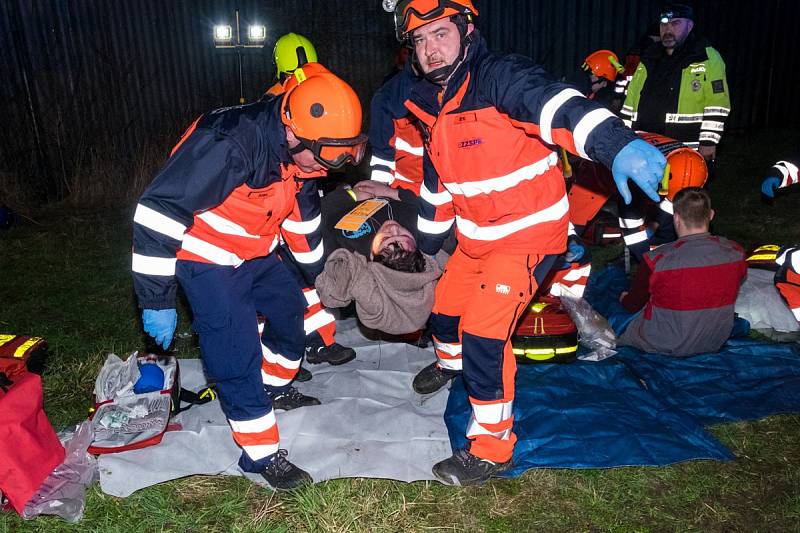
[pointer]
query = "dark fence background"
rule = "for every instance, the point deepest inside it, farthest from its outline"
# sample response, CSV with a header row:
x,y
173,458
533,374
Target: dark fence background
x,y
86,81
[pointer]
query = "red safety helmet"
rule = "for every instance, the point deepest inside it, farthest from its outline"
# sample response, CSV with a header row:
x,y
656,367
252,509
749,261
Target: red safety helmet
x,y
603,64
324,113
411,14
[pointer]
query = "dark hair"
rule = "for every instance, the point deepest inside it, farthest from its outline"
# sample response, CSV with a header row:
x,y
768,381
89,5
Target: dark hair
x,y
693,205
401,260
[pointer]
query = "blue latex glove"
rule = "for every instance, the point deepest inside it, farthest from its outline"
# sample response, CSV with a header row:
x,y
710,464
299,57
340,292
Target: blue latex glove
x,y
769,186
641,162
575,250
160,324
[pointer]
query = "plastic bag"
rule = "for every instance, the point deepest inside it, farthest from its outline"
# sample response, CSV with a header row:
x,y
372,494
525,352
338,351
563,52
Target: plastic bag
x,y
594,332
116,378
63,493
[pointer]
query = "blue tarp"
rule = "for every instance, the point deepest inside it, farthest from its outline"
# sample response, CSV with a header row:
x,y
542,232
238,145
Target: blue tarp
x,y
590,415
746,380
639,409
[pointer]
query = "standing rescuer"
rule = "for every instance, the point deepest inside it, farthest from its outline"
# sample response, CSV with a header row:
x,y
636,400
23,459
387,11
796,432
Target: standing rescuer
x,y
491,123
679,88
237,182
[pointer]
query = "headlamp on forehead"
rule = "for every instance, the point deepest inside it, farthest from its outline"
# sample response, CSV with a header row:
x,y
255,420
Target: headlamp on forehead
x,y
676,11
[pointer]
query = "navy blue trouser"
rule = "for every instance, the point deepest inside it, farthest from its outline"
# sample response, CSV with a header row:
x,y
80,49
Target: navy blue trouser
x,y
633,226
225,302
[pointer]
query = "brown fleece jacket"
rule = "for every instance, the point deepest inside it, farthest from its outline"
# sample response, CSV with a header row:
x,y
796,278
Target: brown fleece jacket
x,y
387,300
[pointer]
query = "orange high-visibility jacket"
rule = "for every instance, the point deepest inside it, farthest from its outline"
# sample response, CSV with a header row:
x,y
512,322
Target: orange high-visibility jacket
x,y
490,164
228,193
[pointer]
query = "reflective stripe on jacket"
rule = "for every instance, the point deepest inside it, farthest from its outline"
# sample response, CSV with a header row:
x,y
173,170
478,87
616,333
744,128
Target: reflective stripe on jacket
x,y
787,172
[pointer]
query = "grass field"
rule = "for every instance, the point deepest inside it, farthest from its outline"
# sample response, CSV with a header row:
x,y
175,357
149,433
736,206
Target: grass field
x,y
66,278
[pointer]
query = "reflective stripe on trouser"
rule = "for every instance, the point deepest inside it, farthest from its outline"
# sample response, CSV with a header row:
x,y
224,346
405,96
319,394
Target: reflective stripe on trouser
x,y
317,319
318,323
276,371
634,231
570,281
446,341
665,232
790,290
489,295
225,303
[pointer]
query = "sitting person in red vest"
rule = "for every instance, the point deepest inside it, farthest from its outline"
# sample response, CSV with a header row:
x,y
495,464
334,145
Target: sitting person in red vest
x,y
686,289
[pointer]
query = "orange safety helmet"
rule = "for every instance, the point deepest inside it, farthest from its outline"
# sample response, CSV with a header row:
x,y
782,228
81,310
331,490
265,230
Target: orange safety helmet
x,y
324,113
309,70
411,14
685,167
603,64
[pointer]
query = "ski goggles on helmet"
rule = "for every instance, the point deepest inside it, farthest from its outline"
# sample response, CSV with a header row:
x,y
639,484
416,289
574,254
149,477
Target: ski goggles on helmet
x,y
427,11
335,153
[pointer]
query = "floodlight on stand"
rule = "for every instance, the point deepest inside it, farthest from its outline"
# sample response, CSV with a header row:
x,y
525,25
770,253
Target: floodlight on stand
x,y
223,33
389,5
257,33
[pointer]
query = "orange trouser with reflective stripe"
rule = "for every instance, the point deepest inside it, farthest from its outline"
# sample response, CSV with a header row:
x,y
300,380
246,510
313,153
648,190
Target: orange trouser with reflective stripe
x,y
487,295
317,319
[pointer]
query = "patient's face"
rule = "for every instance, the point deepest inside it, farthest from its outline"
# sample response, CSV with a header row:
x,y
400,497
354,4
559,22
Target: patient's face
x,y
393,234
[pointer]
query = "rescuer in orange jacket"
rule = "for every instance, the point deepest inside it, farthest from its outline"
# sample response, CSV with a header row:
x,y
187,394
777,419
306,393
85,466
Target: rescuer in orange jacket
x,y
237,182
490,123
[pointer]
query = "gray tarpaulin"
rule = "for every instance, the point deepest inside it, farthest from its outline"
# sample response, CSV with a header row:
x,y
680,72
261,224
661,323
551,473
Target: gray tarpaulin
x,y
760,303
370,424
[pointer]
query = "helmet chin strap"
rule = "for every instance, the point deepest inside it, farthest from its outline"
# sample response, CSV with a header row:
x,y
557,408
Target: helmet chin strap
x,y
299,147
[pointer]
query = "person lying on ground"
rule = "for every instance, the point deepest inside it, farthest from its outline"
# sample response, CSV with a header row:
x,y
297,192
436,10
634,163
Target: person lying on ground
x,y
374,261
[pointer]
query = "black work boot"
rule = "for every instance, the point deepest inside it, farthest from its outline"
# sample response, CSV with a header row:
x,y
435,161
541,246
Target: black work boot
x,y
335,354
302,375
281,474
292,398
463,468
432,378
